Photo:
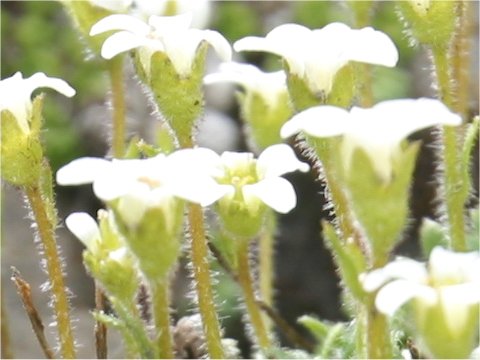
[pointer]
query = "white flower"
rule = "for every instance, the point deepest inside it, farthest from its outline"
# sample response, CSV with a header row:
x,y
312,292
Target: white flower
x,y
16,92
142,184
451,281
378,130
317,55
268,85
169,34
260,179
200,9
113,5
85,228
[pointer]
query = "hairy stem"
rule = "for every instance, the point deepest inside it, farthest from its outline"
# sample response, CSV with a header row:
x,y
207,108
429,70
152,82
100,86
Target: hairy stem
x,y
115,72
246,282
161,312
54,269
266,263
100,328
201,272
454,187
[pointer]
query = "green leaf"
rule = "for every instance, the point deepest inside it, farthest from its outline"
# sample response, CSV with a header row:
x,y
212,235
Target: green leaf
x,y
349,259
432,234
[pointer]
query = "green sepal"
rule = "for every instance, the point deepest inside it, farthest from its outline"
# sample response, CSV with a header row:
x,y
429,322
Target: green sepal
x,y
85,15
264,120
349,259
300,94
442,341
240,219
118,278
330,337
179,98
381,207
227,247
137,148
155,240
341,94
432,234
22,152
435,26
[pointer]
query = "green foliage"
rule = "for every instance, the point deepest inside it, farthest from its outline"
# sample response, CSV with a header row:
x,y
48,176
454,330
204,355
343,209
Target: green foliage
x,y
349,259
432,234
228,23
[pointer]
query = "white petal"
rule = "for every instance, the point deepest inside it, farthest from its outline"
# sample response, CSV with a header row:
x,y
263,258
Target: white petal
x,y
40,80
277,160
121,42
456,301
165,25
181,49
120,22
197,161
462,267
219,43
396,293
401,268
134,203
275,192
113,5
115,182
319,121
82,171
202,190
84,227
371,46
288,51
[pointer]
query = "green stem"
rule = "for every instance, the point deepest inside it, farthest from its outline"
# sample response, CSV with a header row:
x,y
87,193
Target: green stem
x,y
46,233
246,282
201,272
115,72
161,312
461,57
266,263
454,187
372,332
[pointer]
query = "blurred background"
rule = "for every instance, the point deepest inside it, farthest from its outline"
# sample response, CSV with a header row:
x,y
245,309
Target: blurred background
x,y
38,36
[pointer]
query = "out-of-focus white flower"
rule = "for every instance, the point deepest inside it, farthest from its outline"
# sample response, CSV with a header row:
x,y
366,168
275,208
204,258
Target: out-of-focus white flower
x,y
316,55
142,184
85,228
450,281
113,5
378,130
171,35
268,85
200,9
251,180
16,92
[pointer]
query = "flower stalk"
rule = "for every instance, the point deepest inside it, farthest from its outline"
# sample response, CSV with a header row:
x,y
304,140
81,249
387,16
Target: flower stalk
x,y
115,73
455,191
246,282
266,262
45,227
161,306
203,284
